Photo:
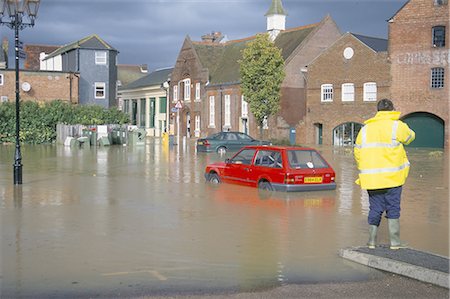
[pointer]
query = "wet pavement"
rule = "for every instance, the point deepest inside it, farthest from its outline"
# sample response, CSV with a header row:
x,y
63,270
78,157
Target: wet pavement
x,y
130,221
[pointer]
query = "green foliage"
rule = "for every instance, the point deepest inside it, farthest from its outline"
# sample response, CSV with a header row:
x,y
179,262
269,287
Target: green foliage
x,y
38,122
262,72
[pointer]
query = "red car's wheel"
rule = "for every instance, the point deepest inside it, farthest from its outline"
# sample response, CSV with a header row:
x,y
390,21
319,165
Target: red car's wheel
x,y
214,179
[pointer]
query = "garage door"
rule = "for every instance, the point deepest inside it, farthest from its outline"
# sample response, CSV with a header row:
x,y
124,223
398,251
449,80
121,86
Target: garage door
x,y
428,127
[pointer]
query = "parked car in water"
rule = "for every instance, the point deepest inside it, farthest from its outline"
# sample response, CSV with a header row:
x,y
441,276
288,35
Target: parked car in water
x,y
223,142
279,168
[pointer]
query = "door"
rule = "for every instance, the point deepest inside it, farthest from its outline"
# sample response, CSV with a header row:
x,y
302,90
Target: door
x,y
429,129
318,129
238,169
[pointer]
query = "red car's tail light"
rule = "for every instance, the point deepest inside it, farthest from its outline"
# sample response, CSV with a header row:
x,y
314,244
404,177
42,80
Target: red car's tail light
x,y
289,179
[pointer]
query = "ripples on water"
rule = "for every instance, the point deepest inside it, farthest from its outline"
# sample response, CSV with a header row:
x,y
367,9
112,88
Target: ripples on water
x,y
142,220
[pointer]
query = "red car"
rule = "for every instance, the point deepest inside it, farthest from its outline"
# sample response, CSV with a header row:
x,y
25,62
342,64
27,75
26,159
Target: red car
x,y
279,168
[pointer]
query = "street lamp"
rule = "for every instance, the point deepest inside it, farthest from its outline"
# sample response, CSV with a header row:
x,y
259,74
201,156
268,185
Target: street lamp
x,y
16,10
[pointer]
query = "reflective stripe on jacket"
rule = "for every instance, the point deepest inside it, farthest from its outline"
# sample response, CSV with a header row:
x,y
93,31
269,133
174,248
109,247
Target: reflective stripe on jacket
x,y
379,153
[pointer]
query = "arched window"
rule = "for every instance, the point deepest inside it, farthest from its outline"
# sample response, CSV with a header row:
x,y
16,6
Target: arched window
x,y
345,134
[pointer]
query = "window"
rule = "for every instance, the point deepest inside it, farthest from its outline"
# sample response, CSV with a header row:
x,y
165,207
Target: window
x,y
440,2
305,159
187,89
212,112
439,36
326,92
3,99
437,77
227,111
370,91
126,106
345,134
1,79
100,57
244,108
244,157
348,92
175,93
197,91
100,90
269,159
162,105
197,123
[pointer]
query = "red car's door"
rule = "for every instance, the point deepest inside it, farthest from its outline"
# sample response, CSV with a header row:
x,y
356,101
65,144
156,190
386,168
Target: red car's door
x,y
238,168
268,165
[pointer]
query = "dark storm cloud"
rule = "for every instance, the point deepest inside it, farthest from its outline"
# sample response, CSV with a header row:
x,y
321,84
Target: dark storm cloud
x,y
152,31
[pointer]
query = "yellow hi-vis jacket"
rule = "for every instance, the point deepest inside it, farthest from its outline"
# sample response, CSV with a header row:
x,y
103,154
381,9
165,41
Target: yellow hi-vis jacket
x,y
379,153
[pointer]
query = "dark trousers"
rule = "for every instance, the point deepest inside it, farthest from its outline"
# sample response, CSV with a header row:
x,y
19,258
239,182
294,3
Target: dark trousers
x,y
384,200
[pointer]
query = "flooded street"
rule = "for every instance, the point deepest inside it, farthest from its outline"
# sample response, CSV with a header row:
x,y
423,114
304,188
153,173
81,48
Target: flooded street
x,y
128,221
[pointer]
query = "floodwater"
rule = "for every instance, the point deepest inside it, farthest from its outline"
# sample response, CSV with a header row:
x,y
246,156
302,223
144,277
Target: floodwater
x,y
130,221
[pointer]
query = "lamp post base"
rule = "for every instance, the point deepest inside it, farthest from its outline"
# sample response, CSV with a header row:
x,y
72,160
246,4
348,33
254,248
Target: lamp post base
x,y
17,174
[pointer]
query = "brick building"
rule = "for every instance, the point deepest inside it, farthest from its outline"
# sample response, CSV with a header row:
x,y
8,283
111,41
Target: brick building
x,y
34,54
420,58
39,86
343,85
206,78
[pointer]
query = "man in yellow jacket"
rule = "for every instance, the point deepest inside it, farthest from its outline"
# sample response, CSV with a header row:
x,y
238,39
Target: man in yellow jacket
x,y
383,168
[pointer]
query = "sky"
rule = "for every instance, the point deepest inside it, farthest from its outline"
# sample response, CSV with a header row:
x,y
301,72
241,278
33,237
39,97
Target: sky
x,y
152,31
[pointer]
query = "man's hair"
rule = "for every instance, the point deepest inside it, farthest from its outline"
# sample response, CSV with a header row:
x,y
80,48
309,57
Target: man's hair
x,y
385,105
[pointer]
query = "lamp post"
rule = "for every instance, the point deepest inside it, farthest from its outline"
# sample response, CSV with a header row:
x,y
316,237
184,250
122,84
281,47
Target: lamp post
x,y
16,10
165,86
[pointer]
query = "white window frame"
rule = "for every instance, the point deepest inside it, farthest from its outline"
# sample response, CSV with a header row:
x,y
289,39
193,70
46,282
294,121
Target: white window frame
x,y
348,92
244,108
227,117
187,89
3,99
1,79
197,123
101,57
212,112
175,93
98,85
326,92
197,91
370,92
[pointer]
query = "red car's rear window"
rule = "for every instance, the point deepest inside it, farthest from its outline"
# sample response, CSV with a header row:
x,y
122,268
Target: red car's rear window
x,y
305,159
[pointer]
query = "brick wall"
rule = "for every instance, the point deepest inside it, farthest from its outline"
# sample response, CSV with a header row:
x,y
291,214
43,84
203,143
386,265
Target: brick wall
x,y
45,86
331,67
412,56
32,61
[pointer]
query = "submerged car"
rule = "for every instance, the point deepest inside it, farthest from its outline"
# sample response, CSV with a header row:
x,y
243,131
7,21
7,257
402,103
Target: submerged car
x,y
223,142
278,168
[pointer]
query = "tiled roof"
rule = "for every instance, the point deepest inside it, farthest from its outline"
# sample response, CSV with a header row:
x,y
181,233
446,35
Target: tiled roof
x,y
375,43
155,78
127,73
221,59
89,42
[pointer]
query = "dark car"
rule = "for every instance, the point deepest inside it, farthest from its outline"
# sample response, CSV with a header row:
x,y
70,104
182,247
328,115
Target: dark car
x,y
279,168
227,141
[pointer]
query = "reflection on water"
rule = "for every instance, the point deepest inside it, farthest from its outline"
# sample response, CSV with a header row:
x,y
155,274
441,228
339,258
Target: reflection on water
x,y
141,220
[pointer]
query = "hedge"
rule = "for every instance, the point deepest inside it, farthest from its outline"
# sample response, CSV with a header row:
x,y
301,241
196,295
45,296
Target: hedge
x,y
38,121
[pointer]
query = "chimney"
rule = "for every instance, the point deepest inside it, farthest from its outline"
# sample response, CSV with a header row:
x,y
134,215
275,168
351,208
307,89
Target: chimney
x,y
213,37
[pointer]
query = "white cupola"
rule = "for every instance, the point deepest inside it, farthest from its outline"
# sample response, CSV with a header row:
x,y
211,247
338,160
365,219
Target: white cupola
x,y
276,19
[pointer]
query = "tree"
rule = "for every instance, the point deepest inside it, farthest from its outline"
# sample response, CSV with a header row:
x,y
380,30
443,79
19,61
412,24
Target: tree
x,y
262,72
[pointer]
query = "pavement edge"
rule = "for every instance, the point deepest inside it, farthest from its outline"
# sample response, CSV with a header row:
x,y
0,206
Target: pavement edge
x,y
397,267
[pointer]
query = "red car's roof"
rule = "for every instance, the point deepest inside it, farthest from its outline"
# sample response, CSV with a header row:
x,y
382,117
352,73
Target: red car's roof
x,y
278,147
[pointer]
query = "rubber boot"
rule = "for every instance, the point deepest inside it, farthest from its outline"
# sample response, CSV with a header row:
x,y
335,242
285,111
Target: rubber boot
x,y
394,234
372,236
